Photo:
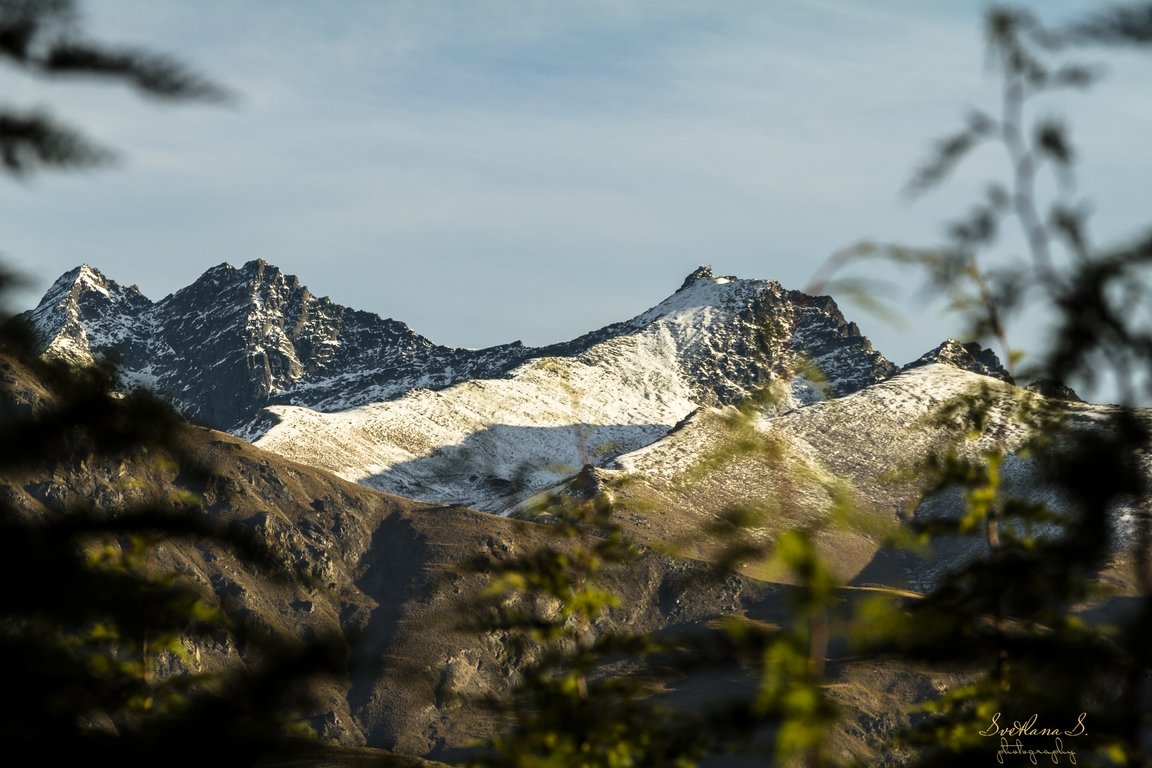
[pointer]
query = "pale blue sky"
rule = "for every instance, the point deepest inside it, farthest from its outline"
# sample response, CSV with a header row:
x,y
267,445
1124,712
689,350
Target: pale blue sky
x,y
490,170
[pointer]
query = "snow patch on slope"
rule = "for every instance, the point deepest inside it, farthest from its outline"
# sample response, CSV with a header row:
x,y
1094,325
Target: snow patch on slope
x,y
489,443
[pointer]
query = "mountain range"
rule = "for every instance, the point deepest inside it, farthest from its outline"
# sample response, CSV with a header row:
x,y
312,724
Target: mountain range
x,y
252,351
239,339
731,393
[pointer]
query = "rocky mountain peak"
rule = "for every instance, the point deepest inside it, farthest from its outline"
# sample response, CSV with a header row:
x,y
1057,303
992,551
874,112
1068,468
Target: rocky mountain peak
x,y
255,280
84,280
700,273
88,276
728,337
81,316
262,275
705,276
1054,390
969,356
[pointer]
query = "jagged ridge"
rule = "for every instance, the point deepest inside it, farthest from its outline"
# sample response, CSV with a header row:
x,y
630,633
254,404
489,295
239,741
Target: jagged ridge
x,y
237,340
253,351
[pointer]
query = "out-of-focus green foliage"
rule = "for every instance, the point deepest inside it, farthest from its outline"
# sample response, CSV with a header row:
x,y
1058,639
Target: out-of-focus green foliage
x,y
86,611
566,711
44,38
588,697
1014,613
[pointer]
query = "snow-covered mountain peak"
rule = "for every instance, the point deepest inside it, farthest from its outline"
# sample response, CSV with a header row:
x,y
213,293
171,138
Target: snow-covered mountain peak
x,y
704,274
701,294
969,357
89,278
85,316
731,336
81,280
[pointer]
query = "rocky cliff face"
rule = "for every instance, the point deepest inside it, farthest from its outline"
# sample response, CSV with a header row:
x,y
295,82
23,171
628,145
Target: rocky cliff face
x,y
731,336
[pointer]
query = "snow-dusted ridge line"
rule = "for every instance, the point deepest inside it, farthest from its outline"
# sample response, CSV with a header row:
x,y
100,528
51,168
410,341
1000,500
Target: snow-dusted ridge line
x,y
238,339
490,444
252,350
